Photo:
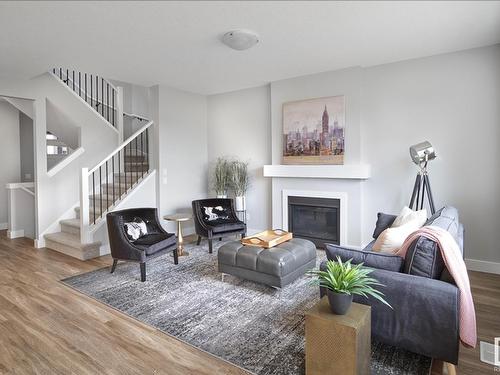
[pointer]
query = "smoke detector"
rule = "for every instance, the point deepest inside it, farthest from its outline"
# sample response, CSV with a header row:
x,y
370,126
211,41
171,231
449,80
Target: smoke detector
x,y
240,39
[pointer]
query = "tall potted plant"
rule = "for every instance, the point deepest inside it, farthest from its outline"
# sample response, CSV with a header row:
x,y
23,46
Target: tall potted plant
x,y
240,182
221,178
342,280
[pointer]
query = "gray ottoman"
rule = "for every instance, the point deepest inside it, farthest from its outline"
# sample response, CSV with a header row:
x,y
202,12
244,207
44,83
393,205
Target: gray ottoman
x,y
277,266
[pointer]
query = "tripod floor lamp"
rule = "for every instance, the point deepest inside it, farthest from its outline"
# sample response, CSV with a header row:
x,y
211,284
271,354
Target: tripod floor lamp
x,y
421,154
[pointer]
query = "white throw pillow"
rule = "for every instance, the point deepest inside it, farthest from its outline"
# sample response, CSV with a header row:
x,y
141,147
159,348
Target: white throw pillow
x,y
407,215
391,239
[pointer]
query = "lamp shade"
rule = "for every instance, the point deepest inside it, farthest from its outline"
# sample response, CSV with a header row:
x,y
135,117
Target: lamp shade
x,y
422,152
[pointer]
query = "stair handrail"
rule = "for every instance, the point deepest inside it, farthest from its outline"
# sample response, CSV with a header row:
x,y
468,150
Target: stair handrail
x,y
121,147
117,158
107,102
53,72
133,115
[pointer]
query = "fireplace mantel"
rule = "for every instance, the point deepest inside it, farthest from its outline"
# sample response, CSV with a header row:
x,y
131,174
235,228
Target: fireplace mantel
x,y
347,171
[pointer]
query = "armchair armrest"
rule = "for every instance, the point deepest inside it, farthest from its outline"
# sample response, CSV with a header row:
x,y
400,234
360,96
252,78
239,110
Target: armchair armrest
x,y
424,318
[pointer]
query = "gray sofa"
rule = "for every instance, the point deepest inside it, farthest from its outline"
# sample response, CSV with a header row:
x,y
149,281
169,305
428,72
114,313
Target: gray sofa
x,y
424,318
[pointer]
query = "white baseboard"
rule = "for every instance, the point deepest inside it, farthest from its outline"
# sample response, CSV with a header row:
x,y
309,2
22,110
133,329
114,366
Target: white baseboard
x,y
483,266
39,243
15,233
104,250
4,226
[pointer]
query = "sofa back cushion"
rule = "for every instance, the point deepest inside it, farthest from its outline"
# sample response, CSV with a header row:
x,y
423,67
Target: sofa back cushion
x,y
384,221
387,262
424,257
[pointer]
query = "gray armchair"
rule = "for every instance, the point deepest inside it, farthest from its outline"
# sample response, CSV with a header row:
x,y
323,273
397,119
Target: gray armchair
x,y
425,301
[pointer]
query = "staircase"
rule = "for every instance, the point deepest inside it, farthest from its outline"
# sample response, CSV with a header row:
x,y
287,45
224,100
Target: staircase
x,y
107,184
100,94
68,240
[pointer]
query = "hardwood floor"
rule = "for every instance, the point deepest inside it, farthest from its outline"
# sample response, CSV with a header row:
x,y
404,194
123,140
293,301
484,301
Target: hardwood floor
x,y
48,328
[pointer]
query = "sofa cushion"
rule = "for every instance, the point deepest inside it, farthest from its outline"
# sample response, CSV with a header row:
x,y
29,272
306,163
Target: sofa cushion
x,y
384,221
424,257
368,258
152,243
229,225
447,218
408,215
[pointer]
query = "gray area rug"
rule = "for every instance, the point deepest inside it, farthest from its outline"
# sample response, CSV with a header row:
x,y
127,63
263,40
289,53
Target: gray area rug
x,y
252,326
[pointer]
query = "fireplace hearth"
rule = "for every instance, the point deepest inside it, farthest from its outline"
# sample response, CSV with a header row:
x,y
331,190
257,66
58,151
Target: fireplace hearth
x,y
315,219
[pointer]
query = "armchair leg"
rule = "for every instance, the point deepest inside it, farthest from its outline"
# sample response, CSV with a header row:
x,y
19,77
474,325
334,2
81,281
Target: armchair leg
x,y
176,256
143,272
199,241
113,267
210,246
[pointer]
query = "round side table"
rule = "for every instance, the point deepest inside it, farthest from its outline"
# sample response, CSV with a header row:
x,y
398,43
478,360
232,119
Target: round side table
x,y
179,218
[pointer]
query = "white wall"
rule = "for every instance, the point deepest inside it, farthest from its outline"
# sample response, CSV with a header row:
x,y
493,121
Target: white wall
x,y
345,82
56,195
181,143
10,166
27,152
452,100
239,126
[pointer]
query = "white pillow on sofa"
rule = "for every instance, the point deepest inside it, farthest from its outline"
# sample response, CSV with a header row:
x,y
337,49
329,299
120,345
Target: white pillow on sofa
x,y
407,215
408,221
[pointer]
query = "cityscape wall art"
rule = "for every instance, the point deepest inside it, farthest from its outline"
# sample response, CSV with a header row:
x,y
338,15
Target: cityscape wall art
x,y
314,131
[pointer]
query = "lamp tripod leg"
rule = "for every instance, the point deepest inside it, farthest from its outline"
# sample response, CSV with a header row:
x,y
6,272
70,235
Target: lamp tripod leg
x,y
429,194
416,191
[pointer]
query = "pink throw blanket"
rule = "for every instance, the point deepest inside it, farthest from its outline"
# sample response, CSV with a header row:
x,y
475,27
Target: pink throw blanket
x,y
456,266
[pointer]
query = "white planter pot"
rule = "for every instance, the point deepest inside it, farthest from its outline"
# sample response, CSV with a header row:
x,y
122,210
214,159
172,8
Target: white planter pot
x,y
241,204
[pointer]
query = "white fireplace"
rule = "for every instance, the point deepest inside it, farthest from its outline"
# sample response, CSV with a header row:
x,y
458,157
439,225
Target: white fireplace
x,y
343,182
341,196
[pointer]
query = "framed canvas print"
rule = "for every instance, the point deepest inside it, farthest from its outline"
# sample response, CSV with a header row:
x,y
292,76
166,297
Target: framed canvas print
x,y
313,131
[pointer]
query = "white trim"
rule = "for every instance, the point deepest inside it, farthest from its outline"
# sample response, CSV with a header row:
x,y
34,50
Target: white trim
x,y
4,226
40,243
342,196
128,195
15,233
67,160
348,171
122,146
19,185
483,266
83,101
76,84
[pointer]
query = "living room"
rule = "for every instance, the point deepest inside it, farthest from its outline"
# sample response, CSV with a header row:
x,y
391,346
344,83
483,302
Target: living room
x,y
290,124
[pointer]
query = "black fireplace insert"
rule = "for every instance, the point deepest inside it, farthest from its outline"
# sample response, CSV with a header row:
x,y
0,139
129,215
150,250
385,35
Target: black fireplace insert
x,y
315,219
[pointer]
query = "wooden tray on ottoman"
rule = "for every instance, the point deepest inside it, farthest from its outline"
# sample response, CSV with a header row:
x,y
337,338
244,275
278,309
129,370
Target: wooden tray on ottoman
x,y
268,238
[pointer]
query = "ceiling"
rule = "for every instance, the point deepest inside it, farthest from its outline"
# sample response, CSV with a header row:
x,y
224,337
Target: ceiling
x,y
178,43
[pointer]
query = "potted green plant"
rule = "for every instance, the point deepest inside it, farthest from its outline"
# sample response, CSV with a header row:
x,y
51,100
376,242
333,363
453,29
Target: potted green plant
x,y
342,280
240,182
221,177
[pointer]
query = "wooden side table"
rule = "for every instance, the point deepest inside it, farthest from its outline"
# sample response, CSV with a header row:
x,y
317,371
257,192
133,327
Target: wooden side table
x,y
179,218
338,344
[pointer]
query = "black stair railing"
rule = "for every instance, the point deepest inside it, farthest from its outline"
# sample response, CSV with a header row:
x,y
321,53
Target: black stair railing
x,y
111,179
100,94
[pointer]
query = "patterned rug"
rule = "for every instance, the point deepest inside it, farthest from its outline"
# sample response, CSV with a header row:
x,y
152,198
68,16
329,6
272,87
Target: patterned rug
x,y
250,325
